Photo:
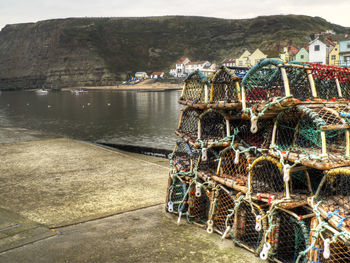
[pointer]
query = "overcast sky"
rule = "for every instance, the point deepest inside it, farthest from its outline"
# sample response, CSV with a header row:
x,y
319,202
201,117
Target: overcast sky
x,y
21,11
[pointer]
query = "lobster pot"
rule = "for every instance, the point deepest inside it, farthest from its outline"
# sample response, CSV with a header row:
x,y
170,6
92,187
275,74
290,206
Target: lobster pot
x,y
260,139
313,133
331,82
325,81
274,78
199,203
334,192
211,163
212,126
225,87
245,233
196,88
177,195
339,251
267,183
344,82
188,124
184,157
288,237
224,201
234,166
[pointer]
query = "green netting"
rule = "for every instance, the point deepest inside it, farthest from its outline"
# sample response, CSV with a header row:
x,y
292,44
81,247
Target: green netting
x,y
289,237
177,194
298,130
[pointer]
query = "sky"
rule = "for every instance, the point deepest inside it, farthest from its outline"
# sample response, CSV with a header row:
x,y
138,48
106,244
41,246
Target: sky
x,y
23,11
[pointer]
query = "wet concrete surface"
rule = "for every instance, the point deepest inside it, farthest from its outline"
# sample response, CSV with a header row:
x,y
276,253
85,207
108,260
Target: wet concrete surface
x,y
69,201
144,235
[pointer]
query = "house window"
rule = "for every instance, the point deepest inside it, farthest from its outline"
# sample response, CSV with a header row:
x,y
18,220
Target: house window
x,y
301,56
317,48
240,63
348,45
333,57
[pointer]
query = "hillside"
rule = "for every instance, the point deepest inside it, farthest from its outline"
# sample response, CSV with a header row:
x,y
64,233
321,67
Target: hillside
x,y
101,51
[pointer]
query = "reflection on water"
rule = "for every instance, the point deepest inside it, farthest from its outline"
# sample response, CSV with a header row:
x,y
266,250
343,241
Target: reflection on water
x,y
139,118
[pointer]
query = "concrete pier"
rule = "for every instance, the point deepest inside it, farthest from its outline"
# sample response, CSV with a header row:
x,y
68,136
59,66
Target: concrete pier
x,y
64,200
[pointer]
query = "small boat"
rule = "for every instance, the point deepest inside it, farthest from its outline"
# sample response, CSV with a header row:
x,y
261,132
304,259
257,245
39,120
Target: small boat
x,y
78,91
41,92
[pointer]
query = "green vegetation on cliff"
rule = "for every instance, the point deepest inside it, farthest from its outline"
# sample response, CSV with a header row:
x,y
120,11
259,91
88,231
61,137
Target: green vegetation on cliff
x,y
104,49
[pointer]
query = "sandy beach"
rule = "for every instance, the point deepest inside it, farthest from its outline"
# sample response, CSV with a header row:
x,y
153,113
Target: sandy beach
x,y
144,85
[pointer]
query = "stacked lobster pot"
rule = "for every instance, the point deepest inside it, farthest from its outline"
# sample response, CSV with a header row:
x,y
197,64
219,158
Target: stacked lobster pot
x,y
264,160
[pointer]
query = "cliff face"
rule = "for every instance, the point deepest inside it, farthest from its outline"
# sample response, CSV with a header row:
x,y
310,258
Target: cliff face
x,y
32,55
100,51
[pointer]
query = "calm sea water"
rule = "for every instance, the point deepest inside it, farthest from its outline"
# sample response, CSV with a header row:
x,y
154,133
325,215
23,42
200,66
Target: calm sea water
x,y
123,117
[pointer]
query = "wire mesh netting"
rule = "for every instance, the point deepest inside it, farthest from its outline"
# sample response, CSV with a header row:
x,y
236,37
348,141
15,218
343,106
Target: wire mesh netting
x,y
299,130
225,86
224,204
339,251
267,180
198,203
299,85
188,124
177,195
194,88
211,163
326,78
213,125
288,237
344,82
334,194
244,231
234,166
263,85
184,157
260,139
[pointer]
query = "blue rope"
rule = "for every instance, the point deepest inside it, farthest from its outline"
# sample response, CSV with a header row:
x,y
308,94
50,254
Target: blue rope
x,y
337,214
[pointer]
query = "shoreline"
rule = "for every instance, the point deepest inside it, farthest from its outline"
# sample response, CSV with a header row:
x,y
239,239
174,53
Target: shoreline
x,y
137,87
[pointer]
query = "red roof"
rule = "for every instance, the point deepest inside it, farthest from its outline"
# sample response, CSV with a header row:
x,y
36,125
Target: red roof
x,y
181,60
157,73
330,42
229,60
293,50
196,62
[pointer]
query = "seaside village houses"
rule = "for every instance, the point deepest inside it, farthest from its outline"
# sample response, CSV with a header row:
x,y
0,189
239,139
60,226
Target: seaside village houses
x,y
247,59
323,52
184,67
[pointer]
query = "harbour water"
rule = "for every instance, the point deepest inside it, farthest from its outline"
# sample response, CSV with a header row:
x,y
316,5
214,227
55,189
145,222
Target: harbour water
x,y
121,117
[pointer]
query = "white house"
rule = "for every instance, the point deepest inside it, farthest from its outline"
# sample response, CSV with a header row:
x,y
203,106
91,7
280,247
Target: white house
x,y
229,62
209,70
196,65
319,51
180,66
157,75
